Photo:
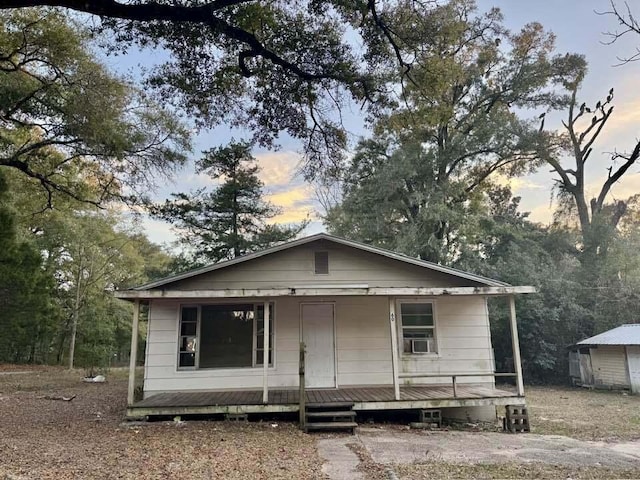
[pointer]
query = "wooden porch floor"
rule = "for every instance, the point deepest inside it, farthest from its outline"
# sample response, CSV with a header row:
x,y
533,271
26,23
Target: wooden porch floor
x,y
373,398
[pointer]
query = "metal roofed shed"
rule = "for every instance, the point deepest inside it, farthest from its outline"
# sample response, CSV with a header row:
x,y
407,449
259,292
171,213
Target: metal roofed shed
x,y
628,334
610,359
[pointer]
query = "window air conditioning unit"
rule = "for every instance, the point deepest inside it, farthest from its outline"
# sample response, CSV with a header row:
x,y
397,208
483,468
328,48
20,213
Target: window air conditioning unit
x,y
420,346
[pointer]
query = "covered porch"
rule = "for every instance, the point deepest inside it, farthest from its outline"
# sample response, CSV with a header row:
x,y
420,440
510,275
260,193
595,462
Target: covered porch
x,y
408,389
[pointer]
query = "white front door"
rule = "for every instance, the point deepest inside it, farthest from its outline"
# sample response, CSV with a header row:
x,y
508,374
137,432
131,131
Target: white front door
x,y
633,360
318,337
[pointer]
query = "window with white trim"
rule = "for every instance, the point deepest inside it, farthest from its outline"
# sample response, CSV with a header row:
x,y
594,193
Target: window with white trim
x,y
223,336
418,327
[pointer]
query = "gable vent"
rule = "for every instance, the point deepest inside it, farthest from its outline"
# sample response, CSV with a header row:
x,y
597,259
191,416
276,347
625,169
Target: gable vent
x,y
322,263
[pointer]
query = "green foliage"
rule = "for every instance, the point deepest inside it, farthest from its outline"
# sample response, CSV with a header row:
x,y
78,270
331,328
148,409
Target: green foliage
x,y
273,67
75,256
27,309
60,106
229,220
418,186
570,304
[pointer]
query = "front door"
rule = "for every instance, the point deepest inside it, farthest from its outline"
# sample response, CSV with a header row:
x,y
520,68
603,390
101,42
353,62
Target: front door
x,y
633,360
318,337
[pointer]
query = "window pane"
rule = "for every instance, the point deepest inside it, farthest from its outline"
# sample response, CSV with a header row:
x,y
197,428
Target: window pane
x,y
417,320
417,341
416,309
187,360
226,335
188,328
188,344
417,333
190,314
260,357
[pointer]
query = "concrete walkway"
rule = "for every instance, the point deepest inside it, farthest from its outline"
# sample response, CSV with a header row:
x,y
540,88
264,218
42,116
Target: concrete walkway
x,y
340,462
388,446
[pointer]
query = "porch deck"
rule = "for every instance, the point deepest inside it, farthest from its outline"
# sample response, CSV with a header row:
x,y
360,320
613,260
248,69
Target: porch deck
x,y
363,398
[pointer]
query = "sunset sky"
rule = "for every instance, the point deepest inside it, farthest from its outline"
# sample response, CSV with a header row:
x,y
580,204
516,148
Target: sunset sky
x,y
578,29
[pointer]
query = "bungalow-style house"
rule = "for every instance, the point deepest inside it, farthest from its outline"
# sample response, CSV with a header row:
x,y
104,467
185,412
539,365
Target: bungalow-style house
x,y
608,360
378,331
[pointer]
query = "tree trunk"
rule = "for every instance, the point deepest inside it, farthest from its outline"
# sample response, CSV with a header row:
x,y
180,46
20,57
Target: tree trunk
x,y
76,314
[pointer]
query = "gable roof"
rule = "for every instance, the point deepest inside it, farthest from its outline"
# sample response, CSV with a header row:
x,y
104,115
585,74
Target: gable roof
x,y
628,334
331,238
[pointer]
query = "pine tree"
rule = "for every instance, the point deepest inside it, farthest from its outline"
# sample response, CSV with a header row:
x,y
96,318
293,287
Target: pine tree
x,y
230,220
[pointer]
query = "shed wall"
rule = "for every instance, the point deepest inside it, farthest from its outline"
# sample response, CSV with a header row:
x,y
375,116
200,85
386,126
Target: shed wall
x,y
609,366
363,349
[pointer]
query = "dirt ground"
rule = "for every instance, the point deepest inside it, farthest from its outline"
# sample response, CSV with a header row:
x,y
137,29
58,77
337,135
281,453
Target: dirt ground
x,y
85,438
577,434
584,414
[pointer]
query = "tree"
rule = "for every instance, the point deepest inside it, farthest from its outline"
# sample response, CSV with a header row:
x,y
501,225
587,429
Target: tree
x,y
509,247
230,220
629,25
415,187
27,310
272,66
598,219
83,253
60,106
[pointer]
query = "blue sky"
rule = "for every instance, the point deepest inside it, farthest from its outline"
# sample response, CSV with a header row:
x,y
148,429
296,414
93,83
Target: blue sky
x,y
578,29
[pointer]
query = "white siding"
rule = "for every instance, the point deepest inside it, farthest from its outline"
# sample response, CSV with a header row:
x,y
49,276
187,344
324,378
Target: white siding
x,y
609,365
295,267
362,346
463,341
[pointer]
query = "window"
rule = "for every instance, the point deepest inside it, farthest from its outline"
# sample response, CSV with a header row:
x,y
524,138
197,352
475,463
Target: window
x,y
418,327
227,336
259,329
188,337
321,263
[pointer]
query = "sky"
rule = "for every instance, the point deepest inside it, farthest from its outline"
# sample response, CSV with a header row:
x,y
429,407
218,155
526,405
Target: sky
x,y
578,29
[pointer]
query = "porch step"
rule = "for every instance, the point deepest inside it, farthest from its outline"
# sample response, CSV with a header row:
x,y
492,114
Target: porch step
x,y
329,405
331,426
332,414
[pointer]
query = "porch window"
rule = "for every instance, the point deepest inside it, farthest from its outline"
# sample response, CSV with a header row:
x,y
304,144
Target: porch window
x,y
418,327
226,336
188,337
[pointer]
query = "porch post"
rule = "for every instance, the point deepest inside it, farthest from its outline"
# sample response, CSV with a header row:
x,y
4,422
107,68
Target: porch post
x,y
516,345
133,353
265,353
394,347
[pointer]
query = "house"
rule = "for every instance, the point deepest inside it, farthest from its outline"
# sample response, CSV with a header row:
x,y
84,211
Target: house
x,y
321,320
608,360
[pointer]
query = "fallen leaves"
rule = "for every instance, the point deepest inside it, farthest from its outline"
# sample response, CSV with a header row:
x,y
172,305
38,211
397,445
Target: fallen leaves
x,y
87,439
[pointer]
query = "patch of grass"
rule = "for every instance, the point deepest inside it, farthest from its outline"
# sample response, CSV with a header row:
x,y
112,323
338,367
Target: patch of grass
x,y
541,471
584,414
